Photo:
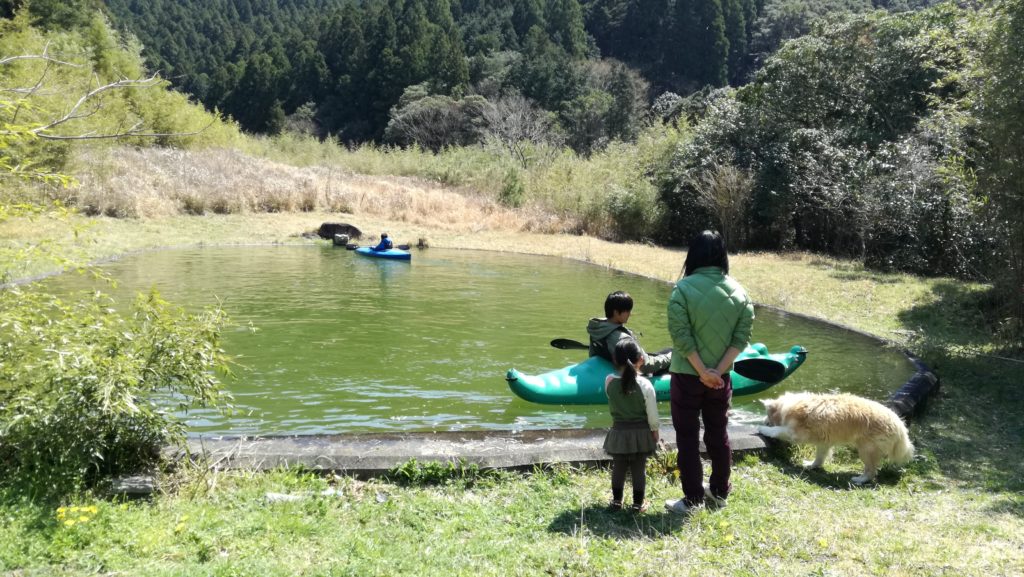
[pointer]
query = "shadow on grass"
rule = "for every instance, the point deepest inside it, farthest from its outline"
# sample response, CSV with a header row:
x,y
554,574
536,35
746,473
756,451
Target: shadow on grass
x,y
789,460
975,428
597,520
38,518
852,271
877,278
974,425
1012,504
960,315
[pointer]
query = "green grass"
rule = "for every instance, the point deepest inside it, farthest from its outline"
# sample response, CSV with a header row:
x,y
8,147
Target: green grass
x,y
778,522
956,510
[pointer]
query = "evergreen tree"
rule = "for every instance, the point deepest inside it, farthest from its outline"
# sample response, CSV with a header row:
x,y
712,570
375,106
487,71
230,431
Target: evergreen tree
x,y
735,16
565,26
644,33
385,65
255,96
703,49
545,72
525,15
345,55
604,21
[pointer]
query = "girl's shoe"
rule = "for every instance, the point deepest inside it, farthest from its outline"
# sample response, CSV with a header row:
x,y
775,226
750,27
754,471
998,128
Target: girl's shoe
x,y
640,507
614,505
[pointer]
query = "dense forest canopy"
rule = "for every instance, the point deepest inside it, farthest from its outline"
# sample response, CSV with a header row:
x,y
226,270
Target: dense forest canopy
x,y
341,66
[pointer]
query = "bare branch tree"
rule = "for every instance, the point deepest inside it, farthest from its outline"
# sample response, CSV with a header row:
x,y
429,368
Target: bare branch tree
x,y
725,190
78,110
44,56
87,105
516,124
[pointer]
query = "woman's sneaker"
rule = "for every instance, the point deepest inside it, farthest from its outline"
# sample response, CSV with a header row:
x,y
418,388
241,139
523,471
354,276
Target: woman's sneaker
x,y
710,498
678,506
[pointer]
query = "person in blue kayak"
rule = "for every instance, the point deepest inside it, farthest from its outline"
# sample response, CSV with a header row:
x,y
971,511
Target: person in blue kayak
x,y
385,243
606,332
633,437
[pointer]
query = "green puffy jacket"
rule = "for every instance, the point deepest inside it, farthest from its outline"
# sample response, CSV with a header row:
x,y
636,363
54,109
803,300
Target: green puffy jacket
x,y
708,312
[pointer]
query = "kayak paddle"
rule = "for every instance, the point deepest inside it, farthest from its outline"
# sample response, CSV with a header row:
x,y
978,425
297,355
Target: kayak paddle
x,y
761,369
569,344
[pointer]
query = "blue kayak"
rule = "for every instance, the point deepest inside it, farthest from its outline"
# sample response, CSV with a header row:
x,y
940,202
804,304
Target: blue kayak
x,y
583,383
391,253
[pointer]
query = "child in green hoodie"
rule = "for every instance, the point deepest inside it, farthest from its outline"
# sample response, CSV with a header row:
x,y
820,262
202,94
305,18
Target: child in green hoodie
x,y
606,332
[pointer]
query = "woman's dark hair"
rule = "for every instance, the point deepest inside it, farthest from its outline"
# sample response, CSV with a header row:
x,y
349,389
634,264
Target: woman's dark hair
x,y
617,301
627,353
706,249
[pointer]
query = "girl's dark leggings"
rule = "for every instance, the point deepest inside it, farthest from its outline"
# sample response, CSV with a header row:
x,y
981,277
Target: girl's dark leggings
x,y
636,464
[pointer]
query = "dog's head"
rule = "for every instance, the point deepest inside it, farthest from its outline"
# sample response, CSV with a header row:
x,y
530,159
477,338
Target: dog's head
x,y
774,409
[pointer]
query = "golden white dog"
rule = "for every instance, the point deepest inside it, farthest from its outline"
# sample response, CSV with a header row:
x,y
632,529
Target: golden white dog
x,y
827,420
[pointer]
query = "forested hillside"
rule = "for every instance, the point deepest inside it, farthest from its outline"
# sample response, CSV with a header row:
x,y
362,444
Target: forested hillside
x,y
339,66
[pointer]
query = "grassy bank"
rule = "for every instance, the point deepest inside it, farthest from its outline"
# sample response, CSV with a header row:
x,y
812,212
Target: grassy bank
x,y
958,510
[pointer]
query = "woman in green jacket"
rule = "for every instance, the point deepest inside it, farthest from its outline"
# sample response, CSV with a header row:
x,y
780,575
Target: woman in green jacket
x,y
709,319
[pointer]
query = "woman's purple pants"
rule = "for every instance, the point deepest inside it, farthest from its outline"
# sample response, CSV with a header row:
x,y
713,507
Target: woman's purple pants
x,y
691,401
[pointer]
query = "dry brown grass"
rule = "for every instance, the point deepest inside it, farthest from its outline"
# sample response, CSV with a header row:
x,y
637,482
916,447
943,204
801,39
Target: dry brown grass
x,y
156,183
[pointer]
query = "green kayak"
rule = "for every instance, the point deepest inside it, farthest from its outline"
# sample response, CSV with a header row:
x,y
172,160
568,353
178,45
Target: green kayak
x,y
583,383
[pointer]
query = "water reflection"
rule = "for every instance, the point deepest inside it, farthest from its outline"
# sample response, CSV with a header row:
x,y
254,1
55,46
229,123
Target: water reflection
x,y
347,343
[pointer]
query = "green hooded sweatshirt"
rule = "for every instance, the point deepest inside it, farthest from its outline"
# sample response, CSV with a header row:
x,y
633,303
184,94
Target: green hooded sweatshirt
x,y
708,312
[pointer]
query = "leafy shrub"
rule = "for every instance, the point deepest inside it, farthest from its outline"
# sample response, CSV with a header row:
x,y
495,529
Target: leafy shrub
x,y
435,121
512,190
87,392
633,210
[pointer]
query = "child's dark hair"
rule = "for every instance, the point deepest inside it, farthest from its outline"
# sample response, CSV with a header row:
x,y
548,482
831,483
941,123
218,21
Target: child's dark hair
x,y
627,353
706,249
617,301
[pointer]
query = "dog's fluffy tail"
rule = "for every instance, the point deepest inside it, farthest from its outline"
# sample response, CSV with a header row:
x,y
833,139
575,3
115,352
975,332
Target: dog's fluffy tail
x,y
902,449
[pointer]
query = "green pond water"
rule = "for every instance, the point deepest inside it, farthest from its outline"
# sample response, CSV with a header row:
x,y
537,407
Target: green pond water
x,y
346,343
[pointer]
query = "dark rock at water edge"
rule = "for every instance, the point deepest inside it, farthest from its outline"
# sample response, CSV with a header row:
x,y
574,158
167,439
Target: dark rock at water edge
x,y
133,487
327,230
910,399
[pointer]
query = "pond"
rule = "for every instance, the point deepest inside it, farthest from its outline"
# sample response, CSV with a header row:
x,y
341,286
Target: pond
x,y
345,343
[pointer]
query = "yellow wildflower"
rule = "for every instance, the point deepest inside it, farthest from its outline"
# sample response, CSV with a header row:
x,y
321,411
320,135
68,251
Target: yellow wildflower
x,y
179,528
92,509
83,519
729,538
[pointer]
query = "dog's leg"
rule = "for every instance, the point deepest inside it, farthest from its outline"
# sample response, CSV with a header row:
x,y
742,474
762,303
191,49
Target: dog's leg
x,y
824,452
871,456
782,432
